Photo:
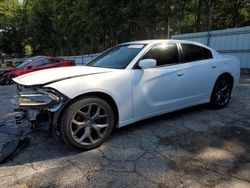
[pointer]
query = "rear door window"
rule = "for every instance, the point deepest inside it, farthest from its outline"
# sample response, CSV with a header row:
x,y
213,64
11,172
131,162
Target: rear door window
x,y
38,63
52,61
195,53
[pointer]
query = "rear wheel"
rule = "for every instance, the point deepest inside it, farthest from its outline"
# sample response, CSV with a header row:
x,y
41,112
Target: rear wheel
x,y
221,93
87,123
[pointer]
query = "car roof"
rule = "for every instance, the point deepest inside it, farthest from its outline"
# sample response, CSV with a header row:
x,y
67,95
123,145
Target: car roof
x,y
155,41
41,56
163,40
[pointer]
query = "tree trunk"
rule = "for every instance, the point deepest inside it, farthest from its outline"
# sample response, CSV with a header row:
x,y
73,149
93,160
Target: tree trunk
x,y
198,17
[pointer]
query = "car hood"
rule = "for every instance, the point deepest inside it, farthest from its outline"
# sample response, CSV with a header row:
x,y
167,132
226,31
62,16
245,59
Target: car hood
x,y
57,74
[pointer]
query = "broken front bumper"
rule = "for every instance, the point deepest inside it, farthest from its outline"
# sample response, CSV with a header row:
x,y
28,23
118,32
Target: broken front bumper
x,y
35,102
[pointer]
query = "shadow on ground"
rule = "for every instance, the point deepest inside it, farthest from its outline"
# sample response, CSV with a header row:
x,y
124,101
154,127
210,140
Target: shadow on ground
x,y
195,147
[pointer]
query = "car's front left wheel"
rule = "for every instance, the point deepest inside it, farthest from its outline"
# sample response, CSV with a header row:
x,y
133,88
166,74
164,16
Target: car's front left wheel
x,y
87,123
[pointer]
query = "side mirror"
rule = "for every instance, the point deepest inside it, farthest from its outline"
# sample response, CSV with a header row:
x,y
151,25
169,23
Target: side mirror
x,y
29,67
147,63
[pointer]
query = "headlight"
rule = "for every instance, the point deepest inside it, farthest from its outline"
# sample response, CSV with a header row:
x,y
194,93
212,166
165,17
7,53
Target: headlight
x,y
36,98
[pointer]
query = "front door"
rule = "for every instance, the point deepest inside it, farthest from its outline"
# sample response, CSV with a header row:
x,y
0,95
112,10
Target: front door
x,y
161,88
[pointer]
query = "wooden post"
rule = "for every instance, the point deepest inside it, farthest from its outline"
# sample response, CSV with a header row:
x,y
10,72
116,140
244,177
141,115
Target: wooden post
x,y
210,19
2,59
168,29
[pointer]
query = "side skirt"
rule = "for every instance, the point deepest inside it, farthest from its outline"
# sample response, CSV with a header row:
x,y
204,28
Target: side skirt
x,y
133,120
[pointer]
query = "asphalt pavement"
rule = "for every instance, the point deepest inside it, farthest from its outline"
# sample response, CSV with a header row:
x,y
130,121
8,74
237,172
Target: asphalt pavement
x,y
195,147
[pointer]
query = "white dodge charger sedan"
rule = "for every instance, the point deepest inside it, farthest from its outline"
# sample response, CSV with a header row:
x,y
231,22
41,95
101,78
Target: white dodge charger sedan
x,y
124,84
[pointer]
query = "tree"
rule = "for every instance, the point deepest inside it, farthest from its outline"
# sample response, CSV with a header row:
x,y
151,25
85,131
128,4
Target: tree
x,y
40,27
73,27
11,28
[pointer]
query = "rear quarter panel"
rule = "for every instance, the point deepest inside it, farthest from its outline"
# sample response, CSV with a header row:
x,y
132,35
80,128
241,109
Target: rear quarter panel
x,y
231,65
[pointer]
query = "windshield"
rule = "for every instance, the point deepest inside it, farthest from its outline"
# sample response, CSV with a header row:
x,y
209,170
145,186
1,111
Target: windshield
x,y
26,62
117,57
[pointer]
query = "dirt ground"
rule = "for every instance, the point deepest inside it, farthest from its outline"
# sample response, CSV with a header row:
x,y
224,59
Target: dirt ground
x,y
195,147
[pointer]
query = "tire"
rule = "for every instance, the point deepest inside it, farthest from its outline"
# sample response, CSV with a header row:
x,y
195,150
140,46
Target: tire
x,y
5,81
221,94
87,123
2,81
9,81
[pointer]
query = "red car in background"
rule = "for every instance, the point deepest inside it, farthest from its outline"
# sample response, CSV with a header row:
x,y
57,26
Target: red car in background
x,y
33,64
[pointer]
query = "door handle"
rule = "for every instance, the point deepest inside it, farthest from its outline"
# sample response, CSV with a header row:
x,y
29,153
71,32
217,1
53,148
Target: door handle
x,y
180,74
214,66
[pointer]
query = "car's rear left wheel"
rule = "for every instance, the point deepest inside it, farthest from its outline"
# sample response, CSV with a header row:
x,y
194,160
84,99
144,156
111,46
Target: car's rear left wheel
x,y
221,93
87,123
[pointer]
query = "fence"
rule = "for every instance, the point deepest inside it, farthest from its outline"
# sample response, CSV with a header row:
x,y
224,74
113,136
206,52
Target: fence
x,y
234,42
80,60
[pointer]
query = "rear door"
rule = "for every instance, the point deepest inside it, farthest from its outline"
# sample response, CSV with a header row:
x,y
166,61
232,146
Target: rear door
x,y
161,88
201,72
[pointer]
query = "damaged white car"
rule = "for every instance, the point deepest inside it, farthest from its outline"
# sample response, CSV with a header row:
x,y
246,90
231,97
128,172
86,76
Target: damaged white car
x,y
127,83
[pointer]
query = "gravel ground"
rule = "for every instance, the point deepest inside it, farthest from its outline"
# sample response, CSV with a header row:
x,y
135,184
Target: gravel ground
x,y
195,147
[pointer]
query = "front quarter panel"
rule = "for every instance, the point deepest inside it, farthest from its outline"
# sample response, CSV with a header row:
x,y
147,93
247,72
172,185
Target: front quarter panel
x,y
116,84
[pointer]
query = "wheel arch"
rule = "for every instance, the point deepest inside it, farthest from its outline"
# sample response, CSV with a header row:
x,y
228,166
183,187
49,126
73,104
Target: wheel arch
x,y
101,95
227,75
224,75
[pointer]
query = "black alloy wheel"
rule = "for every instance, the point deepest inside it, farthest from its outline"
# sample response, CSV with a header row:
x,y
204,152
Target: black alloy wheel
x,y
221,93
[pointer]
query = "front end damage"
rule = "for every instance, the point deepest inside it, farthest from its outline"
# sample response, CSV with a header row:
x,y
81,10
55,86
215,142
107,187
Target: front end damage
x,y
39,105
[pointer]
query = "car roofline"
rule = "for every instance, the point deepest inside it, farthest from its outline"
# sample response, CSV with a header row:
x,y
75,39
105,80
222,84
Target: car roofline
x,y
147,42
155,41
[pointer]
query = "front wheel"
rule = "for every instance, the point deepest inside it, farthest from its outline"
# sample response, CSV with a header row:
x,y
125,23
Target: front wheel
x,y
221,93
9,81
2,80
6,81
87,123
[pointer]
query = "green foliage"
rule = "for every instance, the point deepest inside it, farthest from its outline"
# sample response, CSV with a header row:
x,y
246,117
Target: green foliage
x,y
12,24
73,27
7,11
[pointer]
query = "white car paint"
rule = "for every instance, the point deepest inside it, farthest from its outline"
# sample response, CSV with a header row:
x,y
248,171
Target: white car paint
x,y
141,93
52,75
